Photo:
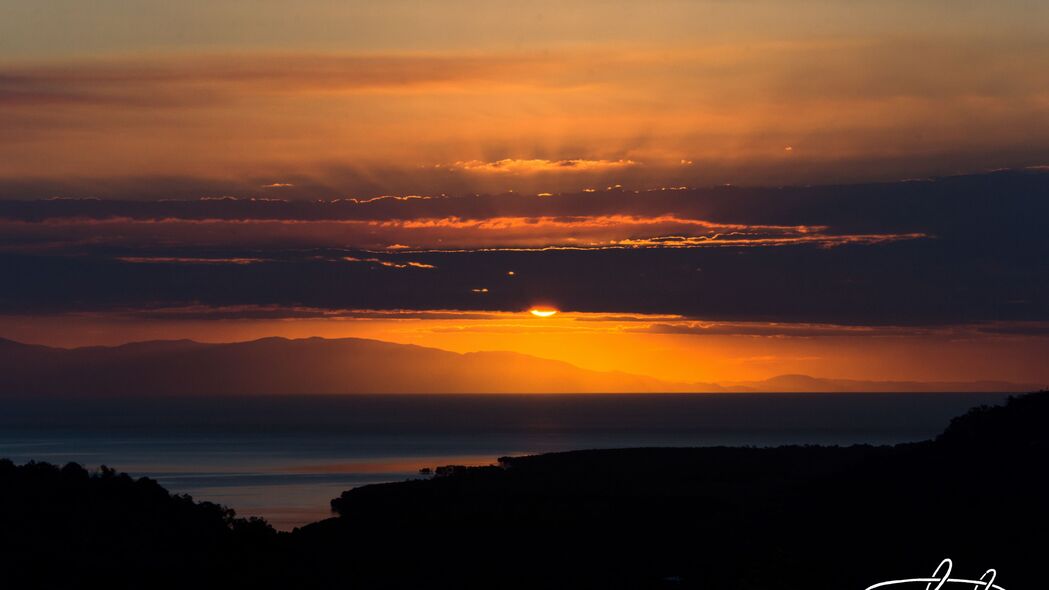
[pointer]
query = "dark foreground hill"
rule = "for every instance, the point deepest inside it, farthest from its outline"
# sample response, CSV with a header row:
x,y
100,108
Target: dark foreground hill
x,y
733,518
67,528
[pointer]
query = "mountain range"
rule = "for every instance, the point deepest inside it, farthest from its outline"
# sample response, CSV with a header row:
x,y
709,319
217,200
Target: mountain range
x,y
279,366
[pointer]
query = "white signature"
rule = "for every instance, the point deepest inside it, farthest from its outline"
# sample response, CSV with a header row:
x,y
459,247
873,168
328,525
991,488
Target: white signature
x,y
942,576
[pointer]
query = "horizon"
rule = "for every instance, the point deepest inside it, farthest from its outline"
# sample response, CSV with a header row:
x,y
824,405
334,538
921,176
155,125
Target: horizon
x,y
787,382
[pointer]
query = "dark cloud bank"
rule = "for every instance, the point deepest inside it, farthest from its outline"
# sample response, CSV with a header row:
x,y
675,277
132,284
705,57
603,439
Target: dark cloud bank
x,y
983,255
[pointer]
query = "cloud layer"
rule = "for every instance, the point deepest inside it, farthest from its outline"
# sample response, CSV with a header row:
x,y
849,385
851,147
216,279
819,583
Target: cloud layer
x,y
953,250
780,110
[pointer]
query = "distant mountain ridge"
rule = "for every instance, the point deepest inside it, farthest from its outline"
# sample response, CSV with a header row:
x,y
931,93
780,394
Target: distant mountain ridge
x,y
305,366
279,366
806,383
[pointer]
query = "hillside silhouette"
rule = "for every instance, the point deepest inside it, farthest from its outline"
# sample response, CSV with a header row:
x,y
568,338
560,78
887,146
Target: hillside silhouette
x,y
819,517
63,527
278,366
737,518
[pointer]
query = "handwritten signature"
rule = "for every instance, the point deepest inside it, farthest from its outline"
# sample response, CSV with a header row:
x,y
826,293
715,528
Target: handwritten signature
x,y
942,576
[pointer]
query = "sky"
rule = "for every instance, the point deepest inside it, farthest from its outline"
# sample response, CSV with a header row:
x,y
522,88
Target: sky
x,y
706,190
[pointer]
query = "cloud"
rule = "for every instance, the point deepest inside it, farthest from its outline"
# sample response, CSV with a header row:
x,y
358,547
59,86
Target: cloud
x,y
953,250
933,205
1040,329
183,81
918,282
390,263
351,124
517,166
286,312
186,260
778,330
426,234
738,239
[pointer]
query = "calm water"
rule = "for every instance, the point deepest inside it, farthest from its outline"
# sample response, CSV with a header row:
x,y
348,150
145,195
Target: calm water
x,y
284,458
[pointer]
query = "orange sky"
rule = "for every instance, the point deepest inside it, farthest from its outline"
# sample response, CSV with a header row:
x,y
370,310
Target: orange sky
x,y
697,352
461,95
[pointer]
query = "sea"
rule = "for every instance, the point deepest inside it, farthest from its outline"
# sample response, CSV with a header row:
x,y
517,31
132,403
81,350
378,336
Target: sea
x,y
285,458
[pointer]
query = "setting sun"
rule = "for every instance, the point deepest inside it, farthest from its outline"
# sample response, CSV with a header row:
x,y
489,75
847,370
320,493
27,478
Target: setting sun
x,y
542,312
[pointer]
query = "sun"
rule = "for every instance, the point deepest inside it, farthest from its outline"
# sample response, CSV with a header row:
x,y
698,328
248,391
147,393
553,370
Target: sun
x,y
542,312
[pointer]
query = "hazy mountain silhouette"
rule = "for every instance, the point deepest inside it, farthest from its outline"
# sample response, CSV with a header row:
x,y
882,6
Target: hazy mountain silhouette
x,y
806,383
281,366
353,365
